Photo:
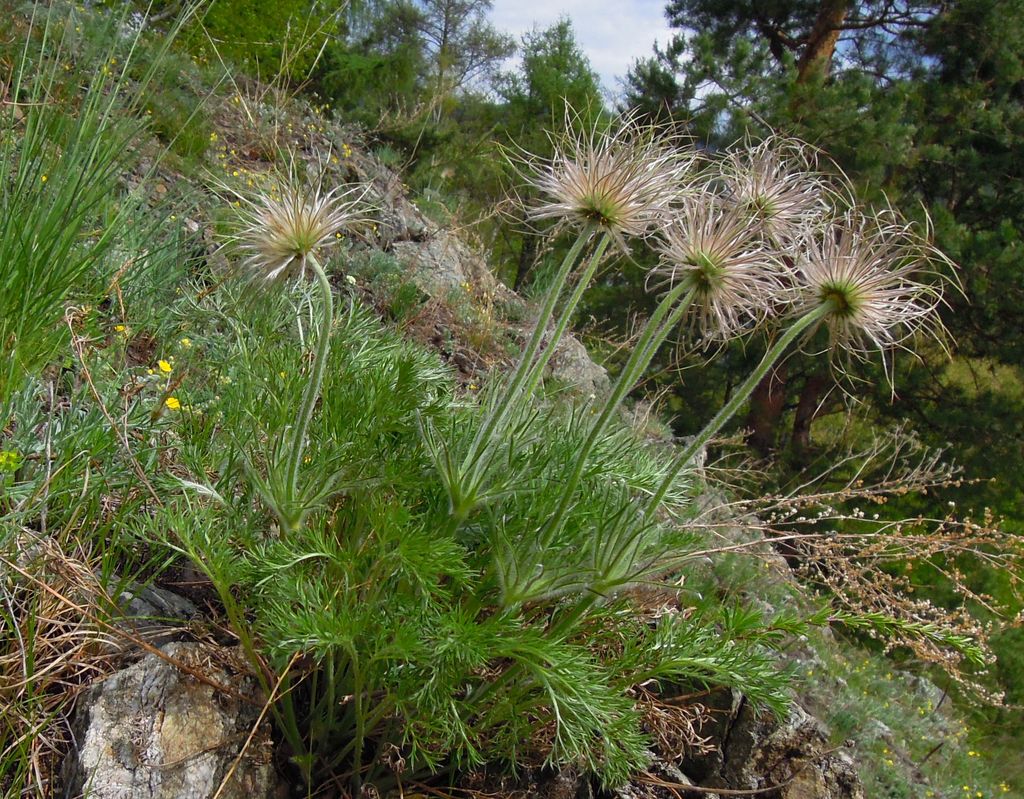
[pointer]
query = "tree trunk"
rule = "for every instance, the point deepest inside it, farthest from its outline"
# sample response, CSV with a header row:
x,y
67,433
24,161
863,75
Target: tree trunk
x,y
808,408
766,405
527,255
816,59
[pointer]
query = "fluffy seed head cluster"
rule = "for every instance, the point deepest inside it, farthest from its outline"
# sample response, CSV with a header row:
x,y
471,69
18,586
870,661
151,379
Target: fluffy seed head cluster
x,y
281,230
737,278
623,180
762,232
866,270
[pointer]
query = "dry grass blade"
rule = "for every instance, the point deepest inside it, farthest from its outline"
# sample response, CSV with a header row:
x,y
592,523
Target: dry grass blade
x,y
51,650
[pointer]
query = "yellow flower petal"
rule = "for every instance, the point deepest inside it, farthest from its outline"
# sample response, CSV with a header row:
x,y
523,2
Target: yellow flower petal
x,y
164,367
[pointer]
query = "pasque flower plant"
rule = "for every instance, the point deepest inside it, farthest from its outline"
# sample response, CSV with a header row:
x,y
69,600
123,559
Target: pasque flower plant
x,y
457,615
856,275
755,234
282,234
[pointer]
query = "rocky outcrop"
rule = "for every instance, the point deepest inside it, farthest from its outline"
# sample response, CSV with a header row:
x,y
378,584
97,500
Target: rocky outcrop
x,y
183,726
154,614
785,759
441,262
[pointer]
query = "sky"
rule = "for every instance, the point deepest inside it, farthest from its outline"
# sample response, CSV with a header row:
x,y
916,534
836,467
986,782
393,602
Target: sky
x,y
612,33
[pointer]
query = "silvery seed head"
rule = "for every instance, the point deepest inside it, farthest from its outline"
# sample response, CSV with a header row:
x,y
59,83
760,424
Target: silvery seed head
x,y
623,179
282,229
867,271
777,184
738,278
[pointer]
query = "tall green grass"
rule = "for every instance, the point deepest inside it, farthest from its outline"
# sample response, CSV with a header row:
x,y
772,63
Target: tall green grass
x,y
67,158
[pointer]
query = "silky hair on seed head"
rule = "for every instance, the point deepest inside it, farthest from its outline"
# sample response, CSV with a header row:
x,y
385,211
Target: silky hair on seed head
x,y
737,277
777,183
874,273
623,179
281,227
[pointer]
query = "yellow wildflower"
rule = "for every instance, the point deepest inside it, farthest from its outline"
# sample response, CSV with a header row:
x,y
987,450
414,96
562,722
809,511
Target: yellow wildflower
x,y
186,342
9,461
165,367
173,403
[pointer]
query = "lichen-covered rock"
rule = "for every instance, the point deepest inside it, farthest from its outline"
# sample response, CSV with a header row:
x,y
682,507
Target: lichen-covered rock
x,y
156,731
572,364
154,614
796,755
791,758
664,781
444,262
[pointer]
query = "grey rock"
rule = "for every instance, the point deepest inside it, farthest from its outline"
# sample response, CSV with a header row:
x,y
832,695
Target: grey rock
x,y
672,785
154,614
876,730
572,364
926,689
442,263
723,706
792,758
154,731
400,220
794,754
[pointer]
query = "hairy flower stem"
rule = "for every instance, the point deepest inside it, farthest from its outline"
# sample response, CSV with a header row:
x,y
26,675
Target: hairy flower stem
x,y
312,392
527,374
567,313
674,305
498,413
736,402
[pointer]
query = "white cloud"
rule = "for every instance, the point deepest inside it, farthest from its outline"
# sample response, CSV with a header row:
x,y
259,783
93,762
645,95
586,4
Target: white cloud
x,y
612,33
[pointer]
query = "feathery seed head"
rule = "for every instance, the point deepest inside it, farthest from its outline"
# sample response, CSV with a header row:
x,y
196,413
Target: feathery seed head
x,y
280,231
738,279
623,179
865,270
776,183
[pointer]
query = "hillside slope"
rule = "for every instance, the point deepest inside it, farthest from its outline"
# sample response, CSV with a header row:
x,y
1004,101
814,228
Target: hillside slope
x,y
154,605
